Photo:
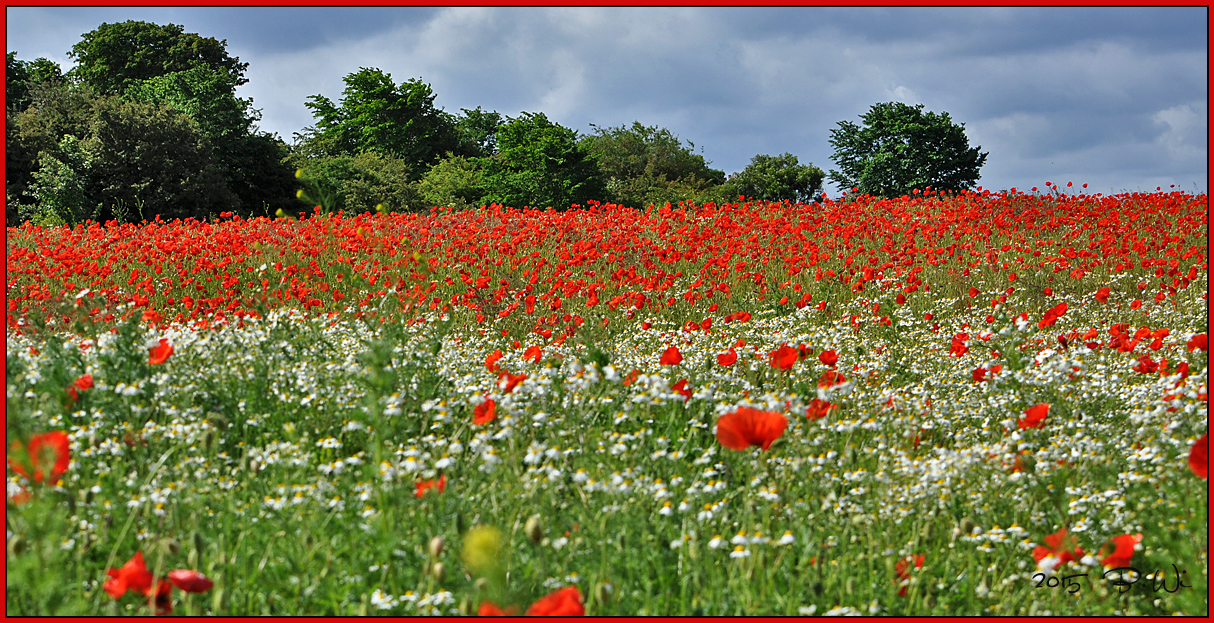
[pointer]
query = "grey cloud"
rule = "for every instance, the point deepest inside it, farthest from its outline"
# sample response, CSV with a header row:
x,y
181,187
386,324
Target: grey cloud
x,y
1113,95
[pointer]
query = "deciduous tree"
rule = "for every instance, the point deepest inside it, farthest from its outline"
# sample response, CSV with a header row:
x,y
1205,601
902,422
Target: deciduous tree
x,y
900,148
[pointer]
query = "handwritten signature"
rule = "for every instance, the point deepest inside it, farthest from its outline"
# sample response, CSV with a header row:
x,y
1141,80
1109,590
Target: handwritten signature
x,y
1123,578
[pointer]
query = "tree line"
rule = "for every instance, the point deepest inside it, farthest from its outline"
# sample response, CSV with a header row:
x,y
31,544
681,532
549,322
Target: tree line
x,y
148,123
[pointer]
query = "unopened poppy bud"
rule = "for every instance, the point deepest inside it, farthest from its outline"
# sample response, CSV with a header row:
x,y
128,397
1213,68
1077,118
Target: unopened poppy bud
x,y
438,571
198,541
850,587
481,584
602,592
170,545
465,607
966,525
436,547
926,532
534,530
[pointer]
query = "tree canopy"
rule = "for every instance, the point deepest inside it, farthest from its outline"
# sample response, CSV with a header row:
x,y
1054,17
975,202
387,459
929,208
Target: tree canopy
x,y
375,114
900,148
114,56
643,165
776,178
540,164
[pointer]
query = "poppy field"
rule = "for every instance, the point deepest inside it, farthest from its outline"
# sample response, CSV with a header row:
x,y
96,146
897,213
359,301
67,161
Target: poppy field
x,y
969,403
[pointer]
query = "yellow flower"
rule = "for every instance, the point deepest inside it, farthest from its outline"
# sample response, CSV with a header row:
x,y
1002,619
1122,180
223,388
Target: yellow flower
x,y
298,173
299,194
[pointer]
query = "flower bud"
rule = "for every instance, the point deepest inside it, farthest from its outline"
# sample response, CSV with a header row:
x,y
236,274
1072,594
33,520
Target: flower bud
x,y
482,549
436,547
481,584
602,592
966,525
170,545
534,529
438,571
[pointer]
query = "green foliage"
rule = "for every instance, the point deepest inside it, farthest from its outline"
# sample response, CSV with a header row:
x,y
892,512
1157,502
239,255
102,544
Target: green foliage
x,y
114,57
376,114
900,148
205,95
253,162
19,74
357,184
540,164
478,131
59,185
649,165
155,158
455,181
56,110
776,178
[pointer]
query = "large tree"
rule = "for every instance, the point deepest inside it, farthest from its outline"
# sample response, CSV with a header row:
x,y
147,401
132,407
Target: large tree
x,y
152,160
540,164
19,75
115,56
900,148
645,165
776,178
252,161
376,114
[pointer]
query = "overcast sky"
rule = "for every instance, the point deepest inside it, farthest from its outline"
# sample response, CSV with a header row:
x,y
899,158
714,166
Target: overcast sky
x,y
1115,97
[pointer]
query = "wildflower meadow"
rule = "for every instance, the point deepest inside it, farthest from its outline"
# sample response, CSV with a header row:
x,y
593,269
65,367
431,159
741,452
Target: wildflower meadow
x,y
966,403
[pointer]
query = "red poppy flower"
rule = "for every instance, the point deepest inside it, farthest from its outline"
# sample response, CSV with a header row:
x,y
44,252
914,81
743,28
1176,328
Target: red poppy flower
x,y
1052,315
745,427
784,357
900,299
159,354
973,292
902,571
484,412
84,382
491,360
1197,456
830,378
819,409
979,374
1102,294
1197,342
566,602
426,485
533,353
1123,550
828,357
681,387
133,576
490,609
160,600
1034,416
1059,546
672,357
958,346
47,452
190,581
507,382
727,358
1048,291
1146,365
